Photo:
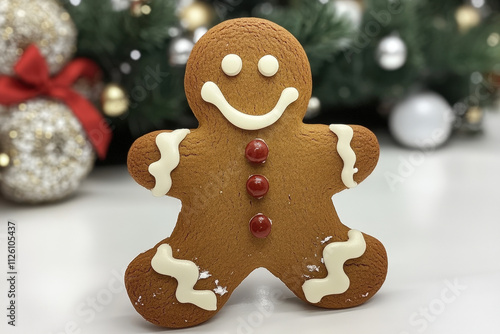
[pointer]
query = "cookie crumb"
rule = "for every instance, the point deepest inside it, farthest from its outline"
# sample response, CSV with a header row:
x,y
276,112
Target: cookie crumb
x,y
220,290
365,295
326,239
312,267
204,274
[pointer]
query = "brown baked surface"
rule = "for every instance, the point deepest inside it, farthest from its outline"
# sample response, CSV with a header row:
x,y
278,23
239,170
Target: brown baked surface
x,y
303,169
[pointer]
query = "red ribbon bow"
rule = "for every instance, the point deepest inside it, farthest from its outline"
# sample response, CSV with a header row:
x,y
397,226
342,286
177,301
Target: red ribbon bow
x,y
33,79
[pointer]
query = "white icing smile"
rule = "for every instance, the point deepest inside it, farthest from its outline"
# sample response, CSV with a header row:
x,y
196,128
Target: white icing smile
x,y
211,93
231,65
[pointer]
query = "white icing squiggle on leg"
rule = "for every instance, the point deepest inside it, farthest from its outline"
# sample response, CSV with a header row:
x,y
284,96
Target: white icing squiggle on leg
x,y
344,134
335,254
168,144
186,273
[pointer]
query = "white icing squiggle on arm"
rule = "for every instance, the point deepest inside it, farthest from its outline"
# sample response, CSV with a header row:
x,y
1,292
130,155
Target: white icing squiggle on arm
x,y
344,134
335,254
186,273
168,144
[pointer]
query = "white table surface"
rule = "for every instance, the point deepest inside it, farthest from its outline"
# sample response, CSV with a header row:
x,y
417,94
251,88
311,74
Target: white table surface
x,y
440,226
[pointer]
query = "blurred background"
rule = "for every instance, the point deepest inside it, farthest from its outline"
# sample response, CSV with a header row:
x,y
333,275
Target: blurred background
x,y
81,79
425,70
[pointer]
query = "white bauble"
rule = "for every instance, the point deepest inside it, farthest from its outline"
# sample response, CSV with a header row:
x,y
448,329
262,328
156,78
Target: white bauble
x,y
424,120
391,53
179,51
352,10
313,108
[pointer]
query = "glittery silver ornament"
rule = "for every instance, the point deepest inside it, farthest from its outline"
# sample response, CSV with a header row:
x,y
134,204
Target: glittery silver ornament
x,y
391,53
44,23
46,151
179,50
313,108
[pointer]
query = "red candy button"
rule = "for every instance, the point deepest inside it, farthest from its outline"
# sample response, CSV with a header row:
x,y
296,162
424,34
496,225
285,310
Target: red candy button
x,y
257,186
260,226
256,151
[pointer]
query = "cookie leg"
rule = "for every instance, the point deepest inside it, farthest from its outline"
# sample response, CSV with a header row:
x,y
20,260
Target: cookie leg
x,y
350,273
168,289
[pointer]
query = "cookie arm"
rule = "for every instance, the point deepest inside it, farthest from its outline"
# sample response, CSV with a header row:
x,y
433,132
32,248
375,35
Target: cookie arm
x,y
153,157
359,150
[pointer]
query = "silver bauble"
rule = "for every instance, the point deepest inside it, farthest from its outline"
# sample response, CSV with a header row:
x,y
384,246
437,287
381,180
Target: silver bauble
x,y
391,53
350,10
179,50
313,108
424,121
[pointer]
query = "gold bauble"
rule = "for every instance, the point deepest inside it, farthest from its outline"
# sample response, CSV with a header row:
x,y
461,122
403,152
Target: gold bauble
x,y
139,8
4,160
474,115
44,23
114,100
196,15
467,17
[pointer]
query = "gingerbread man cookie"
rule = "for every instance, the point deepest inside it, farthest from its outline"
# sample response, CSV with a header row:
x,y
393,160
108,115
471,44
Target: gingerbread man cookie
x,y
256,185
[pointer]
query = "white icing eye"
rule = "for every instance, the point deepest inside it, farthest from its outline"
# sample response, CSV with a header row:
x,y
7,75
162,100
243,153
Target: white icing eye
x,y
231,64
268,65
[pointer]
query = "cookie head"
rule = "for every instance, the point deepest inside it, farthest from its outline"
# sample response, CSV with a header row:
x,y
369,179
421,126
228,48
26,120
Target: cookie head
x,y
249,72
